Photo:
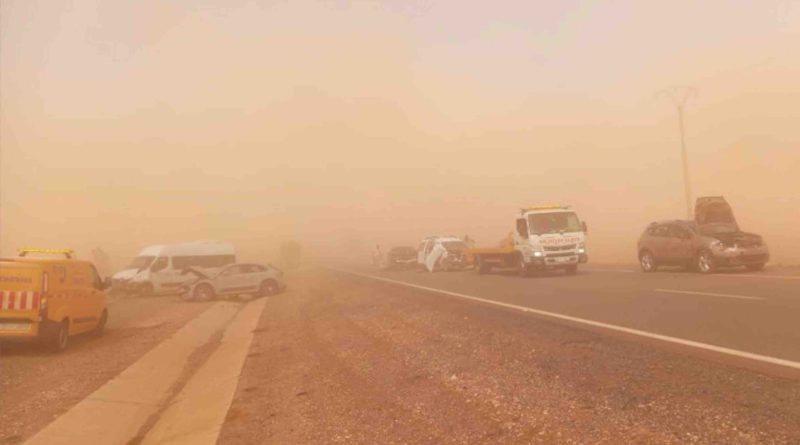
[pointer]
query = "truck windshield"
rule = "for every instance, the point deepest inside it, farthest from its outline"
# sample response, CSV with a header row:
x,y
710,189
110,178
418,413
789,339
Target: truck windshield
x,y
141,262
554,222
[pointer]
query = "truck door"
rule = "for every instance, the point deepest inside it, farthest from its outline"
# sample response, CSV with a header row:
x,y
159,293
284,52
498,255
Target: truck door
x,y
521,235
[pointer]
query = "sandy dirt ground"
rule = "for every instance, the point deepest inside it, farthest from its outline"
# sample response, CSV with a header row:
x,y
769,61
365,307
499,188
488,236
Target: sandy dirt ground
x,y
343,360
37,386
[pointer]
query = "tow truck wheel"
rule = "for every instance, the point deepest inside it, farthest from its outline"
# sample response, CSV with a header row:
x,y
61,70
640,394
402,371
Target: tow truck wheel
x,y
522,268
647,261
58,339
704,262
481,266
203,292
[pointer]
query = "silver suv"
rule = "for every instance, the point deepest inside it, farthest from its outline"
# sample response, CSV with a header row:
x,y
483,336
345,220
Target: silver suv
x,y
711,241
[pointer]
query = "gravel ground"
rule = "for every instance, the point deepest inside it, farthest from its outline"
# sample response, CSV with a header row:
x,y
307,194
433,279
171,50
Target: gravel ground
x,y
36,386
343,360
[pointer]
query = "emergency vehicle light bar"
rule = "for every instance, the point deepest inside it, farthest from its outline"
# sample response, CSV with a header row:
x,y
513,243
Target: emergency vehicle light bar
x,y
544,207
26,250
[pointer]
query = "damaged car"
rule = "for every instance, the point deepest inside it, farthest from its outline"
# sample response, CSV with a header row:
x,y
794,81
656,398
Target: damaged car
x,y
236,279
443,253
712,240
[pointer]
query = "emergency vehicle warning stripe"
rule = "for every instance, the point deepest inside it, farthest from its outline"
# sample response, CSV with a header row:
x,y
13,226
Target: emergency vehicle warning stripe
x,y
19,300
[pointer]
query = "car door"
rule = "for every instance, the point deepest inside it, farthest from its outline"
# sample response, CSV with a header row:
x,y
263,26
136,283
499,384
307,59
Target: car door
x,y
421,252
252,275
680,244
659,242
98,296
232,280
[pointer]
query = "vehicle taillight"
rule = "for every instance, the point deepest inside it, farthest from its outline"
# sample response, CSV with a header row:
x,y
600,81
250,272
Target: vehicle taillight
x,y
43,298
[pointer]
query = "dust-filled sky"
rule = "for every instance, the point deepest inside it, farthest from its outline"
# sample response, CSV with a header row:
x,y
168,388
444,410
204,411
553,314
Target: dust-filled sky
x,y
345,124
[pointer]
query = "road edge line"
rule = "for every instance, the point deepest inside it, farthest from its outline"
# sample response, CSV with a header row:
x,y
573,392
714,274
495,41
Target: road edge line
x,y
651,335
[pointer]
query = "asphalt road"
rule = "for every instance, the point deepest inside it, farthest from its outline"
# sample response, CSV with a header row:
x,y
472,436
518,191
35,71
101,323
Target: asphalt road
x,y
754,313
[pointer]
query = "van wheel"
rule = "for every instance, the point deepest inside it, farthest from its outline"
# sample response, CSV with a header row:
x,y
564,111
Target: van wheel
x,y
203,292
58,338
647,261
101,324
267,288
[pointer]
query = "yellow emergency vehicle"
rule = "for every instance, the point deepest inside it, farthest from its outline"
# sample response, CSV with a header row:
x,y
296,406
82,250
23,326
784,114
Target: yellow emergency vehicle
x,y
50,299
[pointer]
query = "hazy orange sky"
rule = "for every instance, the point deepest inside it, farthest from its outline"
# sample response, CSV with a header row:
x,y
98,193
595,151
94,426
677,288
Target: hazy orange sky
x,y
346,124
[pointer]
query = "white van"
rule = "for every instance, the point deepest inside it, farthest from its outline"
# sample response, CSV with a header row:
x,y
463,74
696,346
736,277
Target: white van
x,y
159,269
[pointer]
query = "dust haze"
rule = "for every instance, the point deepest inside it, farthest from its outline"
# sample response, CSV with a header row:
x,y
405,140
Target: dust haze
x,y
346,124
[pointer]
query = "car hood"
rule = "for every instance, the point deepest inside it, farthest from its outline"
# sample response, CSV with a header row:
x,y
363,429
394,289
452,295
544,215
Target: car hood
x,y
714,210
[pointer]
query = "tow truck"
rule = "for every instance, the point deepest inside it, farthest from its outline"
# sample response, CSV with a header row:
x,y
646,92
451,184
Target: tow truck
x,y
546,237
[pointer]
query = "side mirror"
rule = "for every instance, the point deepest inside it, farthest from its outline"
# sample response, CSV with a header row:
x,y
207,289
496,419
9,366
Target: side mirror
x,y
585,228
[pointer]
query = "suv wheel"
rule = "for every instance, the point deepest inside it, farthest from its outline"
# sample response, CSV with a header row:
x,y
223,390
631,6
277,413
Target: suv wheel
x,y
647,261
704,262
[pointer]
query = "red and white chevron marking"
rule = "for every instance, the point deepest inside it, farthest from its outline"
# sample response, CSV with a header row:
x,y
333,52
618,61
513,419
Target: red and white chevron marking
x,y
19,300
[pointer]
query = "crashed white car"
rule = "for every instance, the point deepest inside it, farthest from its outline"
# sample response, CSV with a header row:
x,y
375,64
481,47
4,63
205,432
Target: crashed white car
x,y
251,279
442,253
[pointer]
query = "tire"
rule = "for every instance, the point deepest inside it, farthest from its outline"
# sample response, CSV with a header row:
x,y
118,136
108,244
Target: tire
x,y
755,267
522,268
704,262
482,267
647,261
101,324
203,292
58,338
267,288
571,270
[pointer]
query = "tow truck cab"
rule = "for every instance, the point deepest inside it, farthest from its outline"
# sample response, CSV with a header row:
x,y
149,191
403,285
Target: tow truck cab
x,y
545,237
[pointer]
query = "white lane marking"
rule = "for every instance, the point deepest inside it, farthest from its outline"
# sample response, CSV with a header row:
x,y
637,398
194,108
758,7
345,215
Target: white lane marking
x,y
611,327
591,269
731,275
708,294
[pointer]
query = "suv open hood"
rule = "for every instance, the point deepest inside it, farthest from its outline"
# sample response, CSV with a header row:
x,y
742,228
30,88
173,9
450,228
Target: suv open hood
x,y
714,210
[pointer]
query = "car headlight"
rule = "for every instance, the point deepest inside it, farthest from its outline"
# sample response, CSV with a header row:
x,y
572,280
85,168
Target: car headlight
x,y
538,253
716,244
581,248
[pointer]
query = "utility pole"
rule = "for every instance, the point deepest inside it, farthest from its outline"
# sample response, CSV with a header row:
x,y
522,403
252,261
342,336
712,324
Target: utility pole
x,y
680,95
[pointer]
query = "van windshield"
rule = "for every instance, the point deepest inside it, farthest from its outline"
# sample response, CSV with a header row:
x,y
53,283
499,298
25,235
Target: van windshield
x,y
541,223
141,262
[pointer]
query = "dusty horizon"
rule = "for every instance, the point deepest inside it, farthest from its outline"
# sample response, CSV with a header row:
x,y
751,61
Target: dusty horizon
x,y
373,123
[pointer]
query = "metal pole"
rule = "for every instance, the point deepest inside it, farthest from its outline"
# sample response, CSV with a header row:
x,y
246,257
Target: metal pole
x,y
679,96
686,182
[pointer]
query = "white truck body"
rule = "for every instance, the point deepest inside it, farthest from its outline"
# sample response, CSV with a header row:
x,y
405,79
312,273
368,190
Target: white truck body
x,y
545,237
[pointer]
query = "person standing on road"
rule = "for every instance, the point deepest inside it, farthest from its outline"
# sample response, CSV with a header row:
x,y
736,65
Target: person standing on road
x,y
376,256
